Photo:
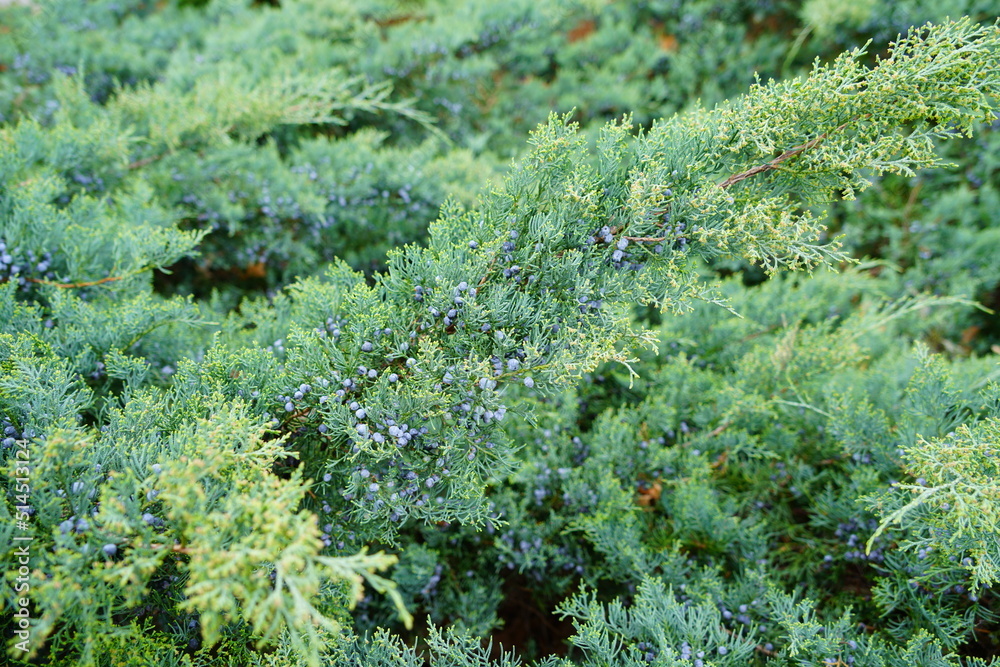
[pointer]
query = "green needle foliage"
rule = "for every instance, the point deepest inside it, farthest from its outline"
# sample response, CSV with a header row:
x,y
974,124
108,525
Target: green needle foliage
x,y
211,475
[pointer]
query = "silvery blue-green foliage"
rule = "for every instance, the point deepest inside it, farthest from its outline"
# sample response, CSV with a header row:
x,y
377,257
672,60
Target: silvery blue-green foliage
x,y
656,627
743,456
952,499
530,289
486,74
941,229
253,147
938,225
205,480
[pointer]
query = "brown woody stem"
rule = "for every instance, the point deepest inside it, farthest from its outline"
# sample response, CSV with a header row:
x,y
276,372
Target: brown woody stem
x,y
776,162
109,279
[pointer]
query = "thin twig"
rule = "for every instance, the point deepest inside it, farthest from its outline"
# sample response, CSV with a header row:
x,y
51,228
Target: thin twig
x,y
646,239
804,406
487,272
761,649
719,429
776,162
109,279
139,164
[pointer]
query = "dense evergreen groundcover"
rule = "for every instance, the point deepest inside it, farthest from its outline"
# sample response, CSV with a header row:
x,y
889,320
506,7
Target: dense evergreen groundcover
x,y
476,333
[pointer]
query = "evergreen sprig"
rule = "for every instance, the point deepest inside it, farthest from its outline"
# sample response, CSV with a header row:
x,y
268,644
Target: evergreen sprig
x,y
206,480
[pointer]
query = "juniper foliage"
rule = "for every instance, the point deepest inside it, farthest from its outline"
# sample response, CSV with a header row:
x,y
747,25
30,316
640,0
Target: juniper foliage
x,y
204,482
